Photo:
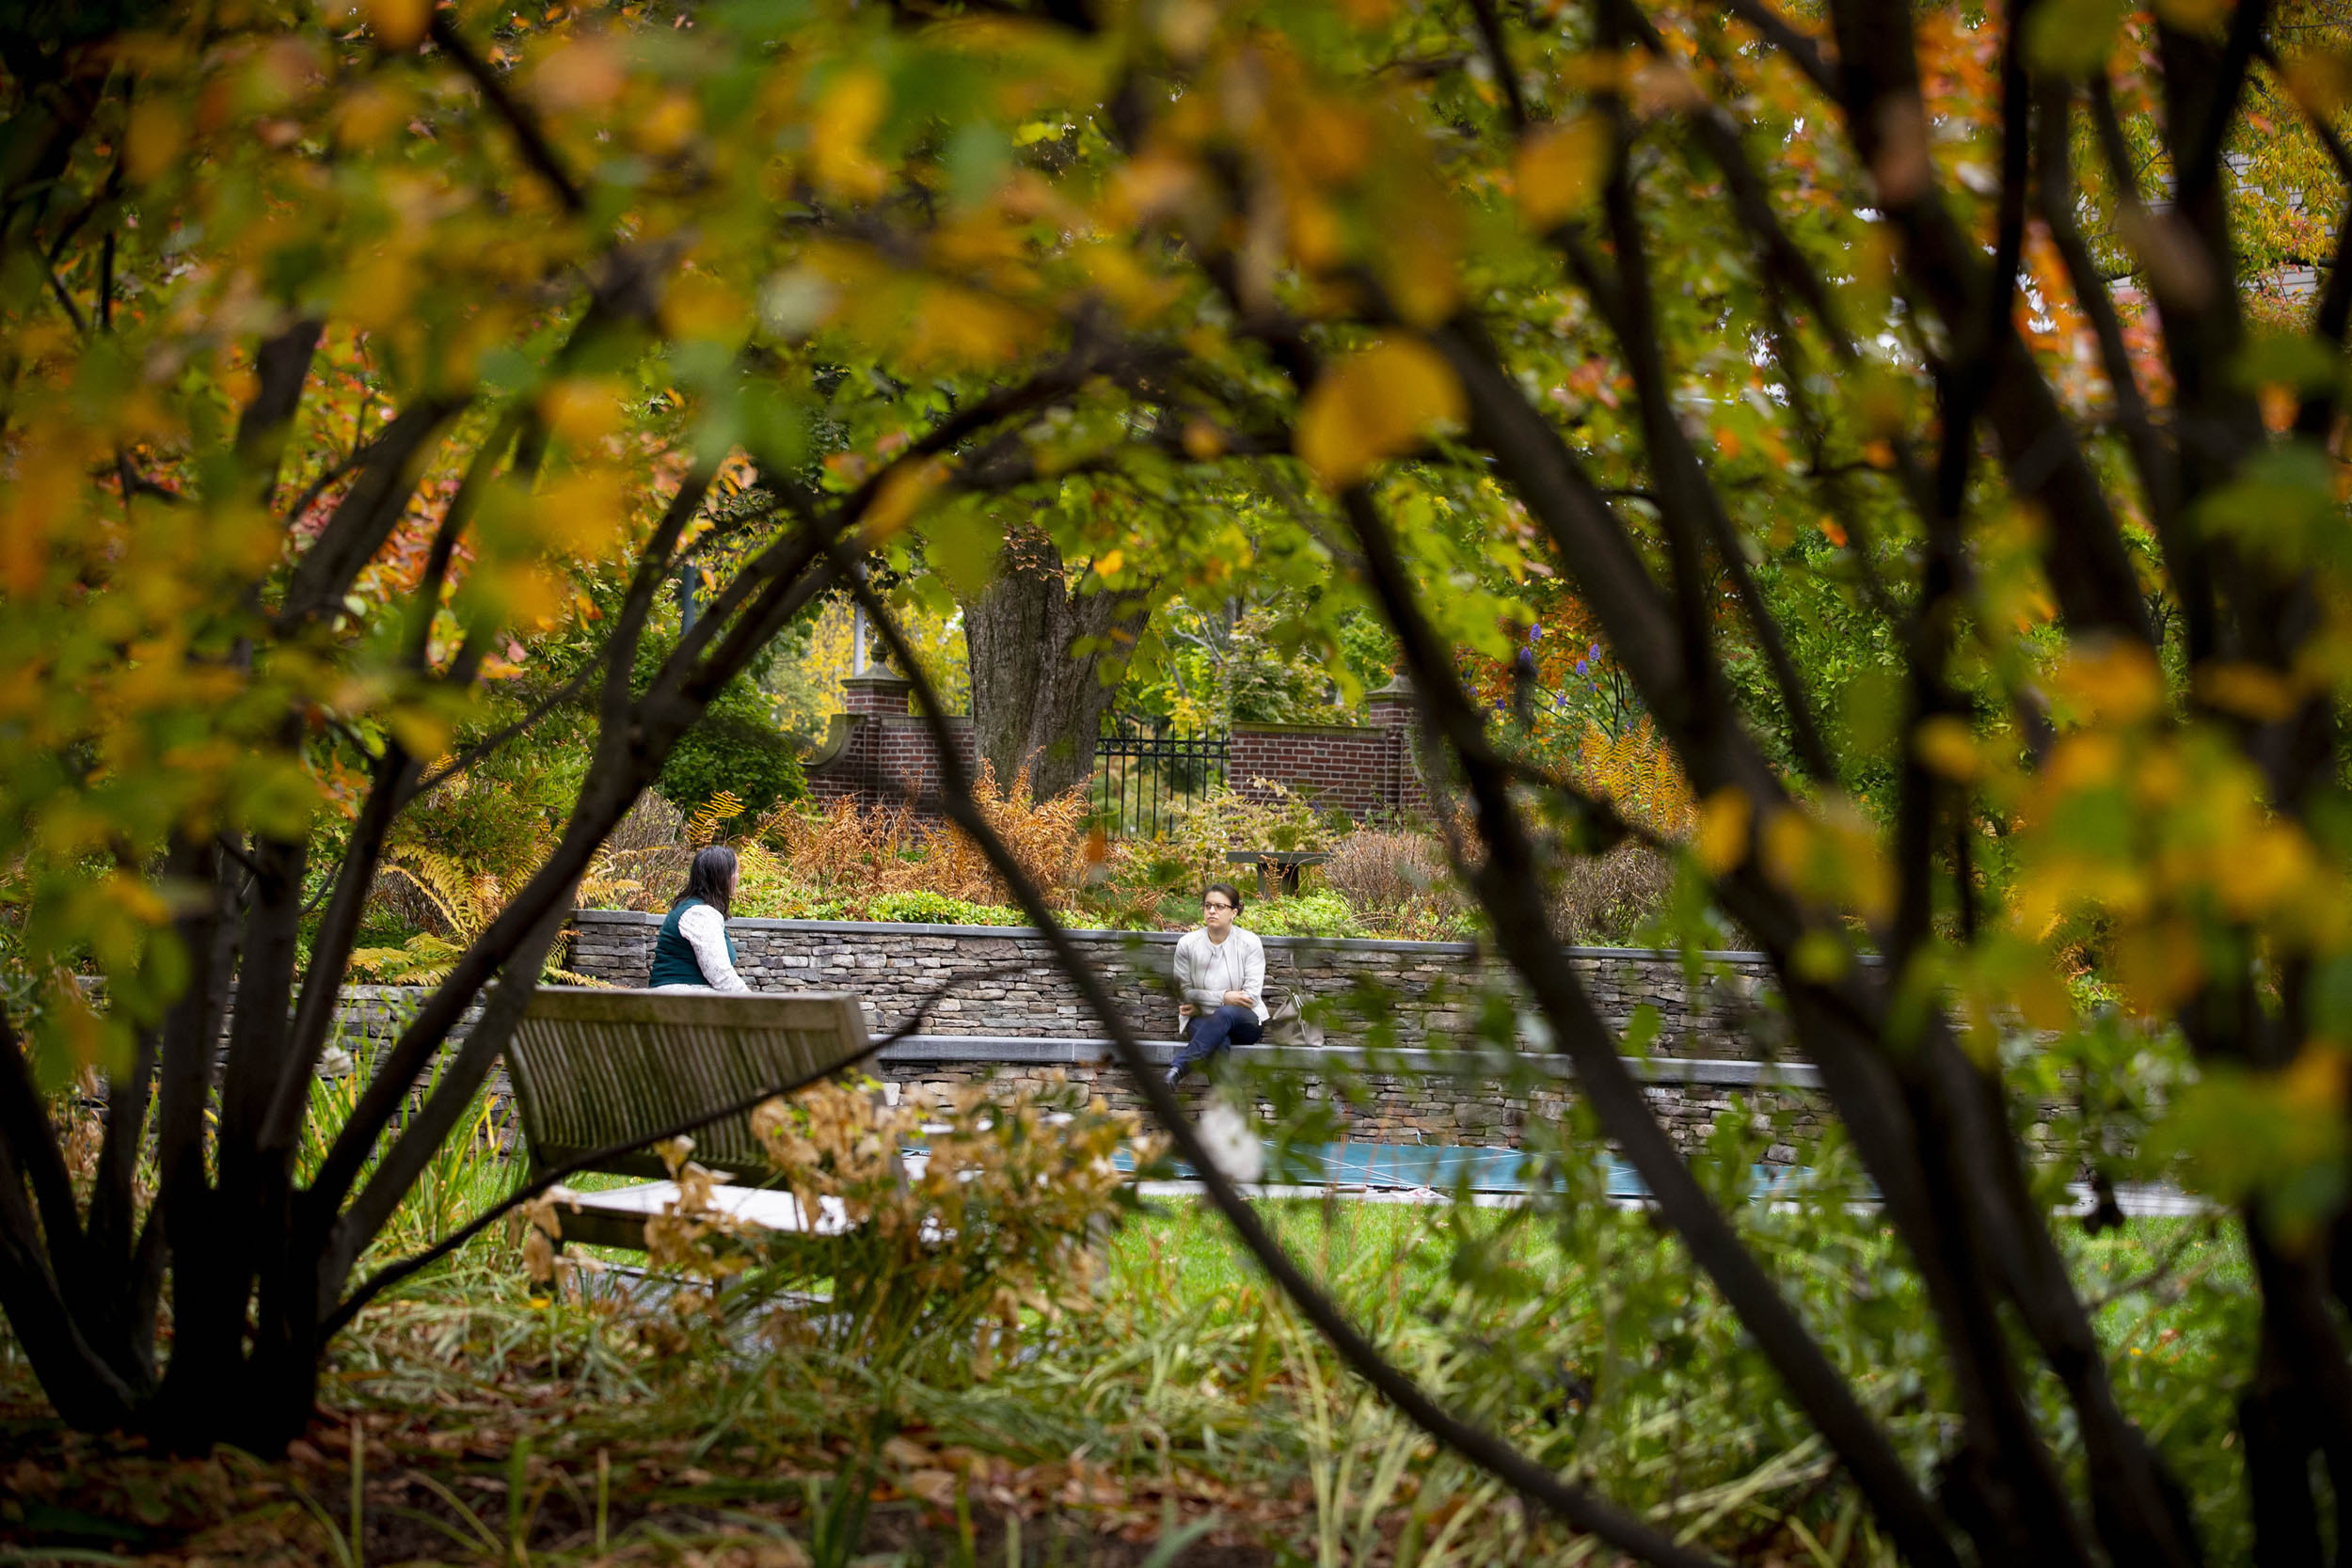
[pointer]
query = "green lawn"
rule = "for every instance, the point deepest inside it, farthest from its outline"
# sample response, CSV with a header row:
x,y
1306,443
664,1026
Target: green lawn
x,y
1173,1390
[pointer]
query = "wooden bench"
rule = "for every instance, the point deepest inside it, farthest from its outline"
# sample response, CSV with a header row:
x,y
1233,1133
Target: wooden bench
x,y
594,1067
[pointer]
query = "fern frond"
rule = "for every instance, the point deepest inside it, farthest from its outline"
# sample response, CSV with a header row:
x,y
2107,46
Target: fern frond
x,y
711,816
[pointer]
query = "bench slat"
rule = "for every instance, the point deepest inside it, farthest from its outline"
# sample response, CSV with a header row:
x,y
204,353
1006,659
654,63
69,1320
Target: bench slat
x,y
592,1067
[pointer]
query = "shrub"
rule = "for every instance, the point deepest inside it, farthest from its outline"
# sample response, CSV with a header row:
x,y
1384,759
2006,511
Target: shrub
x,y
1320,914
643,860
848,849
463,846
1267,816
924,907
1047,838
1637,773
1606,899
1005,1218
738,746
742,754
1384,871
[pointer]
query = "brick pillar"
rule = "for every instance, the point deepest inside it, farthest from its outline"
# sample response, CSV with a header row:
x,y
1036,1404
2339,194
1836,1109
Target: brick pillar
x,y
877,691
1392,711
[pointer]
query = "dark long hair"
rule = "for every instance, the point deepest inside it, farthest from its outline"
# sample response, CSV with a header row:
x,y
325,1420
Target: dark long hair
x,y
710,879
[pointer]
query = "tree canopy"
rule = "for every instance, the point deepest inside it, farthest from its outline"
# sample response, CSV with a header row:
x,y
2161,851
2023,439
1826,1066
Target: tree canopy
x,y
1927,425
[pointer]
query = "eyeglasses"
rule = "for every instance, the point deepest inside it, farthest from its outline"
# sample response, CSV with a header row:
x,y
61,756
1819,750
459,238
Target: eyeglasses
x,y
1215,904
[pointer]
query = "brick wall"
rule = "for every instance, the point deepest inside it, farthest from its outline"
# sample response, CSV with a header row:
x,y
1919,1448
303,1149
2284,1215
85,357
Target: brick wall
x,y
878,753
1364,770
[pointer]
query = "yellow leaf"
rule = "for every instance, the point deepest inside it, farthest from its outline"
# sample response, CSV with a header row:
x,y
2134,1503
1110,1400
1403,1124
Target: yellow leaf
x,y
698,305
2262,869
2322,81
1331,140
2194,16
2248,690
153,138
580,409
1723,836
845,117
370,112
2316,1078
1944,745
421,734
670,126
398,24
1374,404
1559,171
902,491
2159,966
580,512
587,74
2118,681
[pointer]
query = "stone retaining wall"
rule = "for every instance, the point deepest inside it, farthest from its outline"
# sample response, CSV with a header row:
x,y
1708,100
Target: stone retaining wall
x,y
1014,1017
1444,1099
1391,993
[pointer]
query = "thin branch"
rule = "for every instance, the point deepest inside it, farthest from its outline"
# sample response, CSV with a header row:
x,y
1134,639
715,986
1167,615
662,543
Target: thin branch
x,y
533,142
1802,51
1498,57
369,512
2150,455
473,756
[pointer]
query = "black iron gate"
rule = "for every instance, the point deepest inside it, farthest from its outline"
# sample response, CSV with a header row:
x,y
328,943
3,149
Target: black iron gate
x,y
1140,781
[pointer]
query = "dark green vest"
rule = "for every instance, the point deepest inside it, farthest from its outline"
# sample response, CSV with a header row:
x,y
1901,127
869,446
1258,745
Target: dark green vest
x,y
674,960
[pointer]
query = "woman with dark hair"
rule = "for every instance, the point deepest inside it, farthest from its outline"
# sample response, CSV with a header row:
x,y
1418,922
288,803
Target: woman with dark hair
x,y
1220,978
694,951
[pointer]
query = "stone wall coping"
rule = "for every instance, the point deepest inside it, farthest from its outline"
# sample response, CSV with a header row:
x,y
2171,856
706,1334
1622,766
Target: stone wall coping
x,y
1027,1051
1169,939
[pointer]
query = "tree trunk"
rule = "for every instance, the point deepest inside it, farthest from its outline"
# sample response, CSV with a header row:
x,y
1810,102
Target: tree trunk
x,y
1037,652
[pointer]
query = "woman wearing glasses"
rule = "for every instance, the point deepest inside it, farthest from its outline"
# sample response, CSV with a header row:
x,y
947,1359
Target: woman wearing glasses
x,y
1220,976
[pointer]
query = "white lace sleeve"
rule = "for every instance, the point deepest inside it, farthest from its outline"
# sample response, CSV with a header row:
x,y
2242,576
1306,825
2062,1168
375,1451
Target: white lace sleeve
x,y
705,931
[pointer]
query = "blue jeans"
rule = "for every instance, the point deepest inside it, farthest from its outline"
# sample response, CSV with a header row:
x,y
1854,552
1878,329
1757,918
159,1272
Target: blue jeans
x,y
1206,1034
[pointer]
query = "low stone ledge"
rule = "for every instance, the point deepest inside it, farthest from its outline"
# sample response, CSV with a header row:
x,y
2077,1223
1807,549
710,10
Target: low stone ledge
x,y
590,918
1027,1050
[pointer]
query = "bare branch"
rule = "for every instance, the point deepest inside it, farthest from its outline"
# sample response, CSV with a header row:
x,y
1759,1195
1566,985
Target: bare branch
x,y
369,512
529,137
1803,52
281,367
1499,57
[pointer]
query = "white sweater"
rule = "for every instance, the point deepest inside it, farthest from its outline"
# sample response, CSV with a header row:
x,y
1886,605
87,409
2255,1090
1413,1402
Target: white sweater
x,y
1206,970
705,931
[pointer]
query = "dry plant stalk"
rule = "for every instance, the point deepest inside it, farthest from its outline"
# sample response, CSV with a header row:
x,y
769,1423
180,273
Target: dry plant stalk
x,y
848,849
1047,837
1004,1216
1380,871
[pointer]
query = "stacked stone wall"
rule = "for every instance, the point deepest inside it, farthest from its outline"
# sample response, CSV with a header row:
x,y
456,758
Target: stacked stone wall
x,y
1399,994
1013,1018
1398,1108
